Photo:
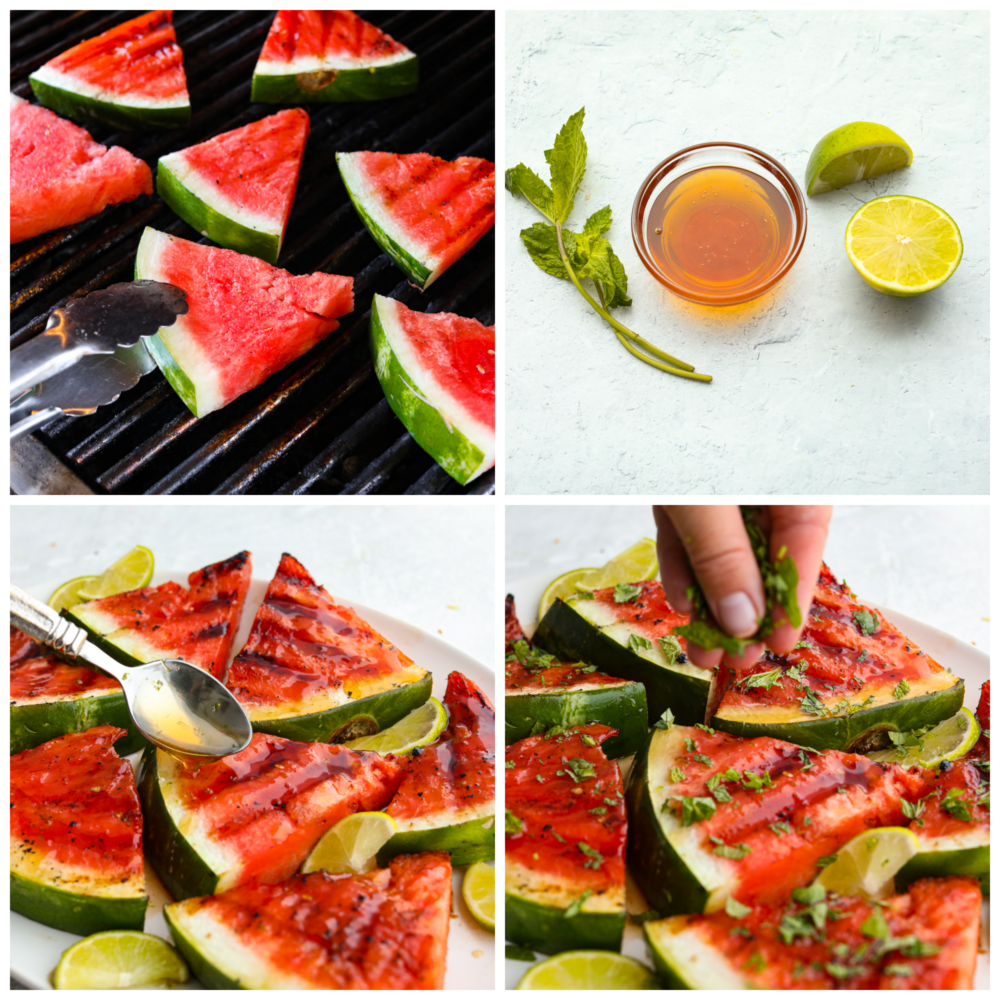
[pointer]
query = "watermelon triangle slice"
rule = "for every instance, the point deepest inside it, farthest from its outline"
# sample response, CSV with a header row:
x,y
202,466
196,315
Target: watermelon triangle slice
x,y
423,211
245,321
197,625
438,373
131,76
237,189
58,174
330,55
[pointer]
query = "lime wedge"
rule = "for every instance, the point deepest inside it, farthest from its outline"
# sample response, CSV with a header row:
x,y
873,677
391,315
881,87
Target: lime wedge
x,y
867,865
422,726
479,893
638,562
119,960
853,153
948,740
132,571
902,245
350,846
68,594
589,970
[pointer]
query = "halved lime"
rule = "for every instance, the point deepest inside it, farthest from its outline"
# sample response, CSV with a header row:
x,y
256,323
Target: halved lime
x,y
589,970
119,960
350,846
562,587
948,740
132,571
902,245
867,865
853,153
422,726
479,893
68,594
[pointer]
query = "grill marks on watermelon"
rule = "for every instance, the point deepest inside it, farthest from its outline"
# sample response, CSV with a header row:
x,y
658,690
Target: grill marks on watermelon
x,y
37,675
59,176
387,929
558,807
75,818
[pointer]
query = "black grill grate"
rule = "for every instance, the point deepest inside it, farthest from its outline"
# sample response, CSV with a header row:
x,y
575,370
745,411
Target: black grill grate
x,y
322,424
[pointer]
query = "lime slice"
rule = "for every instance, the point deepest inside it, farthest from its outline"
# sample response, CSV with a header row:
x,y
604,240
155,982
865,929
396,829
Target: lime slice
x,y
867,865
638,562
902,245
350,846
132,571
68,594
119,960
589,970
853,153
422,726
479,893
948,740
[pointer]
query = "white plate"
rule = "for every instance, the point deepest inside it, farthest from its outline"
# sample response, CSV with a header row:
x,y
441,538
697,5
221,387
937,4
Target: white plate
x,y
35,949
968,662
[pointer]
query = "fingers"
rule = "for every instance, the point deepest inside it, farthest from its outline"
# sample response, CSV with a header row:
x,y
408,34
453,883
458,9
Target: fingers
x,y
675,574
802,530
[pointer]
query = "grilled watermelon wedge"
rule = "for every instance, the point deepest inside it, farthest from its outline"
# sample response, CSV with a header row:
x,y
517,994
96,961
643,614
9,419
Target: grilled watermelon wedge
x,y
712,815
131,76
315,670
169,622
49,698
447,799
245,320
423,211
237,188
438,373
387,929
923,940
852,679
540,693
632,639
76,835
565,842
59,176
330,55
256,814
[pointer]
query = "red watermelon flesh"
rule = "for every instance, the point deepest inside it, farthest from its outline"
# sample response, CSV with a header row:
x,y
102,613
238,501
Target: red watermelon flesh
x,y
58,174
132,62
73,802
305,40
384,930
197,625
35,672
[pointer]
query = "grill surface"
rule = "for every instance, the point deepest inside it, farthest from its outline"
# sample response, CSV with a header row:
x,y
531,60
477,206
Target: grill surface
x,y
321,425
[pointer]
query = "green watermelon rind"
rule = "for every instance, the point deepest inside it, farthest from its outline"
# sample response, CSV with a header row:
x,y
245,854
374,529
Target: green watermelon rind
x,y
548,930
974,861
213,223
449,447
474,840
685,962
205,971
77,913
621,706
89,110
34,723
419,272
369,83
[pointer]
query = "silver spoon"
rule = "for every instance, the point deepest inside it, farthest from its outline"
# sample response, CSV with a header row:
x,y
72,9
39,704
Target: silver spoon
x,y
175,705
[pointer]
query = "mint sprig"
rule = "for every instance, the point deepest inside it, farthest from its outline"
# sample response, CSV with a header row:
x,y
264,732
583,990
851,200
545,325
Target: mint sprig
x,y
586,255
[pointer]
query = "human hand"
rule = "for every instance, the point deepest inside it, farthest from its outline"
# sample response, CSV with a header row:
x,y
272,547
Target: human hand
x,y
711,541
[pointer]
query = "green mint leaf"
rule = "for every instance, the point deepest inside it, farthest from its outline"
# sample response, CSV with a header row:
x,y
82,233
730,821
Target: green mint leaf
x,y
578,769
735,852
596,858
694,809
637,643
577,905
898,970
755,963
508,764
766,680
598,811
672,650
599,223
721,794
901,690
866,621
780,828
912,810
826,861
811,705
875,926
690,745
512,823
676,775
956,807
542,245
665,721
518,954
626,592
708,637
567,161
839,971
736,909
809,894
524,181
588,741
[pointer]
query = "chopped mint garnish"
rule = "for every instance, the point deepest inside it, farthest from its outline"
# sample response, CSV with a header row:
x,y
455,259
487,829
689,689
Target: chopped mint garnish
x,y
867,622
665,721
901,690
577,905
694,808
626,592
736,909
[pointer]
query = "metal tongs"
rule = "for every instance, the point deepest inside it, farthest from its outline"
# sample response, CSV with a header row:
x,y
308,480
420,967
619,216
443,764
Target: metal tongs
x,y
89,353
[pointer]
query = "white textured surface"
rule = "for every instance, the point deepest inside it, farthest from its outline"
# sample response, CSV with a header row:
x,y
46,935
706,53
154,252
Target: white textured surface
x,y
930,563
822,385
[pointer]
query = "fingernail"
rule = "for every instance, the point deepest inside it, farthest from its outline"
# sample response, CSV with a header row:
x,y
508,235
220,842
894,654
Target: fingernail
x,y
737,614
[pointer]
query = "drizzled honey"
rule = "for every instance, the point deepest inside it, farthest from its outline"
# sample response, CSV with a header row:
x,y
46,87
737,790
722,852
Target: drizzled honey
x,y
719,231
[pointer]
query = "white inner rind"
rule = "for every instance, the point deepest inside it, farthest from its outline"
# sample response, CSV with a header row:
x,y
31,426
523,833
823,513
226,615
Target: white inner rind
x,y
693,960
16,101
316,64
978,835
452,412
177,338
51,699
56,78
178,165
530,688
551,890
446,817
26,861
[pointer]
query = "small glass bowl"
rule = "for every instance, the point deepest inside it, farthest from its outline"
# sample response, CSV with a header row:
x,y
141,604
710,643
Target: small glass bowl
x,y
719,154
